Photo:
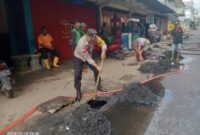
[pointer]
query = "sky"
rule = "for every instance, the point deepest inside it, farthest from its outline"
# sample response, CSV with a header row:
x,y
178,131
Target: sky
x,y
196,4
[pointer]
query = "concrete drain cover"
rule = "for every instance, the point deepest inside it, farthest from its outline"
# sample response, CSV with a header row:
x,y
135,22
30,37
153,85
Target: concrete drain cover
x,y
55,104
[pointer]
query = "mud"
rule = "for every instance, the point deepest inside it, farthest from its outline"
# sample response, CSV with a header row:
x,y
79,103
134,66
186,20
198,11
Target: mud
x,y
84,120
164,65
149,49
168,55
80,121
134,93
138,93
156,46
129,119
131,110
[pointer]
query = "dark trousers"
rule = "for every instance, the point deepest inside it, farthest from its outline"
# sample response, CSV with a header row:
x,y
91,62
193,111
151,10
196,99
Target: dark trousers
x,y
78,66
73,46
46,51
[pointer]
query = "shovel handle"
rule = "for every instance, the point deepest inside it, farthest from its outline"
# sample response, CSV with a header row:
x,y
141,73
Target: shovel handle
x,y
98,78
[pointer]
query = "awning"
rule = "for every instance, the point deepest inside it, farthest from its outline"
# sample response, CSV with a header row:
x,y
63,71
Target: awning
x,y
157,6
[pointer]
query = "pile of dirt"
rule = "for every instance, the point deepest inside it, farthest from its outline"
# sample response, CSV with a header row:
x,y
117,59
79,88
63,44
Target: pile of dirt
x,y
148,67
168,55
84,121
78,121
139,94
149,49
133,93
156,87
164,65
156,46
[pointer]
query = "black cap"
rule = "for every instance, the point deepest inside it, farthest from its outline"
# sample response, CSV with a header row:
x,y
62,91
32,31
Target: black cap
x,y
91,32
76,21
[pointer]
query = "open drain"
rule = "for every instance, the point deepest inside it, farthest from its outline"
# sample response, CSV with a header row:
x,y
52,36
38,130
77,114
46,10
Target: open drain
x,y
95,104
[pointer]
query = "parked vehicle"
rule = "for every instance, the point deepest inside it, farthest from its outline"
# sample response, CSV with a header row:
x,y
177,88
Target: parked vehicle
x,y
114,51
153,33
5,80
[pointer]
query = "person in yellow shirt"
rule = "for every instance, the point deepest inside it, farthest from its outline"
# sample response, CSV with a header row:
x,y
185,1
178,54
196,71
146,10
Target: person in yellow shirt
x,y
45,42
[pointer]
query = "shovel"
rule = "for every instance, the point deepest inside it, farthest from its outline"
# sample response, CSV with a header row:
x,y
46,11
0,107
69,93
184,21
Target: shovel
x,y
98,78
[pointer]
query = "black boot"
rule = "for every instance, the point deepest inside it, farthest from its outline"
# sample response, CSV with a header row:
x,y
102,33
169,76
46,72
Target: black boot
x,y
78,96
100,88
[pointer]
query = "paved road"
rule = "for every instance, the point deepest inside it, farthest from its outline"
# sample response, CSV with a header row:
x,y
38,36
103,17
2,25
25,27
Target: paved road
x,y
179,112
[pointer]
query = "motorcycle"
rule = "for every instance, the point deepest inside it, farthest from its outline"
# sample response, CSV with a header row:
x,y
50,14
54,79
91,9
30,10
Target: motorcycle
x,y
153,33
5,80
113,51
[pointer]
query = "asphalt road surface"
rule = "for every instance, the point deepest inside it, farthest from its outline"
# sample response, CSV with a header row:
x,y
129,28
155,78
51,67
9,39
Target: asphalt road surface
x,y
179,111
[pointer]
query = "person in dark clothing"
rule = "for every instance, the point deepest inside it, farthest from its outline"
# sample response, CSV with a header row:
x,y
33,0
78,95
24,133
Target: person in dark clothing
x,y
83,28
115,21
75,34
136,29
142,30
126,30
116,28
83,55
177,34
104,32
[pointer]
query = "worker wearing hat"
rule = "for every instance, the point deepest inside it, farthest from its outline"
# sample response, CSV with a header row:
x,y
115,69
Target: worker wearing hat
x,y
140,45
83,54
75,34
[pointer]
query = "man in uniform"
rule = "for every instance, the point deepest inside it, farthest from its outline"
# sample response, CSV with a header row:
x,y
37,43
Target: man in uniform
x,y
83,54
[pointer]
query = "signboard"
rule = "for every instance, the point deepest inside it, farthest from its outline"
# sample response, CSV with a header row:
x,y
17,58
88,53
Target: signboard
x,y
171,26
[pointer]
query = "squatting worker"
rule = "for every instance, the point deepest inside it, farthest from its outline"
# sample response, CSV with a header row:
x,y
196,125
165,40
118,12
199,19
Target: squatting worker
x,y
140,45
45,42
83,54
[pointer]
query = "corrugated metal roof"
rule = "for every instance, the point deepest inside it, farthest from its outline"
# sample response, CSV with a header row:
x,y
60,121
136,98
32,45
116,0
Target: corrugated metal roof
x,y
156,6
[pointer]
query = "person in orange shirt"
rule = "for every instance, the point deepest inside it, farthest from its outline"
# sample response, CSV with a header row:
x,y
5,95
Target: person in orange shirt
x,y
45,42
